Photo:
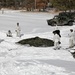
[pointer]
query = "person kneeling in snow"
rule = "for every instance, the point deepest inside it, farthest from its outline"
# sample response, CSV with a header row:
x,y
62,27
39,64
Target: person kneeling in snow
x,y
56,39
9,34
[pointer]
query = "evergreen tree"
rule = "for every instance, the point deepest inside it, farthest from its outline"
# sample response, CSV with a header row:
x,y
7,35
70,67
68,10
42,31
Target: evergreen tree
x,y
64,4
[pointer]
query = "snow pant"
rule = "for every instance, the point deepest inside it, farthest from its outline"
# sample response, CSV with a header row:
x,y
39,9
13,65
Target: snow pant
x,y
18,33
71,43
74,41
56,45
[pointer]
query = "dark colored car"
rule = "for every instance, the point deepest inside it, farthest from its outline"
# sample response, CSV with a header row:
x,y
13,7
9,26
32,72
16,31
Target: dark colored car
x,y
63,19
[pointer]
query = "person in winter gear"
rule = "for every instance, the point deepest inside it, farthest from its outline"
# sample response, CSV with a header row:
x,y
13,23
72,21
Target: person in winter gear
x,y
18,29
56,39
71,38
9,34
74,38
2,11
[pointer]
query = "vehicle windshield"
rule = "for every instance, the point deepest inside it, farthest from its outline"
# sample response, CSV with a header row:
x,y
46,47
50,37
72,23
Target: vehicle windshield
x,y
55,17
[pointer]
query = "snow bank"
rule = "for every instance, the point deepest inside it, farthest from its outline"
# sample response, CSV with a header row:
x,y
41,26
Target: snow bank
x,y
22,60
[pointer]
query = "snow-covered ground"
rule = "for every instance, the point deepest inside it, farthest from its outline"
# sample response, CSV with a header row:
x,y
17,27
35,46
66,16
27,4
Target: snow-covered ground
x,y
24,60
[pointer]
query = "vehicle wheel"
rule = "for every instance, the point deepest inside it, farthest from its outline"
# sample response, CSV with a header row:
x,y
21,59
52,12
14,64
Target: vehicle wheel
x,y
70,23
48,22
53,24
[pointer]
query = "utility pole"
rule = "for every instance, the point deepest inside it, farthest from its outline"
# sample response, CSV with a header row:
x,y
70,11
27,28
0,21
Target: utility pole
x,y
35,4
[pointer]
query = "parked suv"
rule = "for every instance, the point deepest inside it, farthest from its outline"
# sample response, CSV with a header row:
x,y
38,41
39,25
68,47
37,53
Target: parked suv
x,y
63,19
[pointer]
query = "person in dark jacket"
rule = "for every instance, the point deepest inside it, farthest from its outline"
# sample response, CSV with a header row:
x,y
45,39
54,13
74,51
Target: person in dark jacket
x,y
56,39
